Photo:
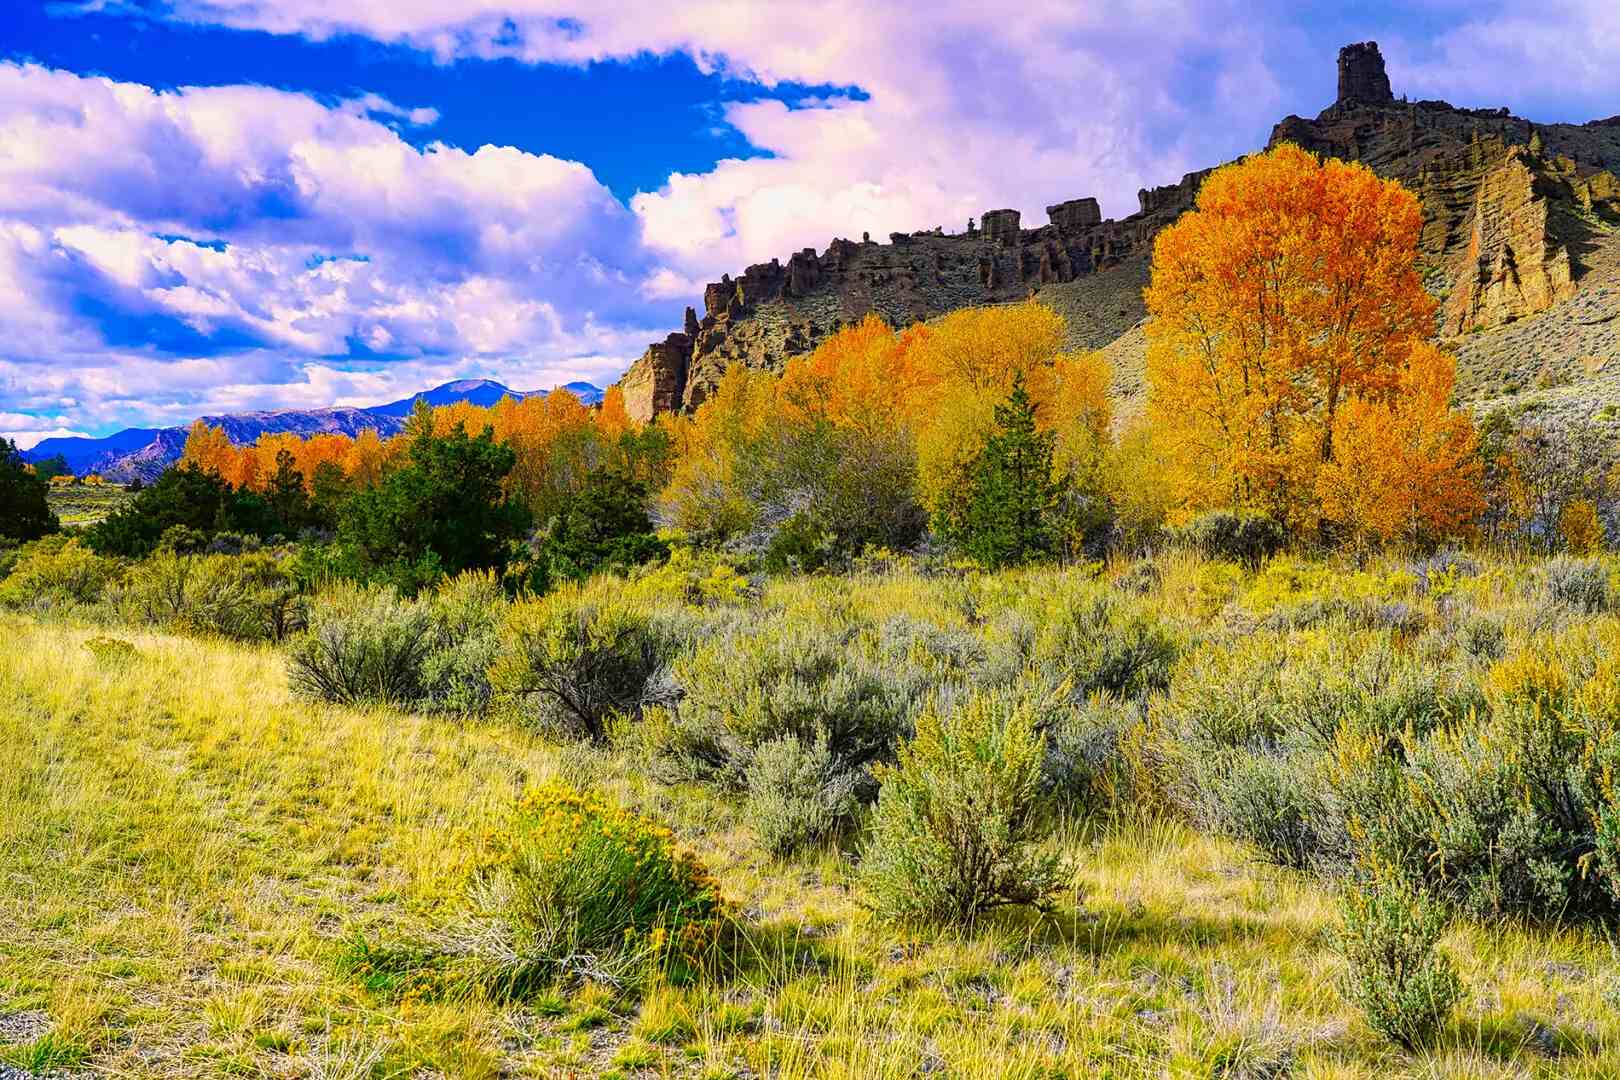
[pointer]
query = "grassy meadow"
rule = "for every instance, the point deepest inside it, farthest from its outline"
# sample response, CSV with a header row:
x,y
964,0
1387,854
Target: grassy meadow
x,y
191,853
86,504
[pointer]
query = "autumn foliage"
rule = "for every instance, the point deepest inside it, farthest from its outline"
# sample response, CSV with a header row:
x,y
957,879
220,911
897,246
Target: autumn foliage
x,y
873,435
557,438
1291,373
1289,324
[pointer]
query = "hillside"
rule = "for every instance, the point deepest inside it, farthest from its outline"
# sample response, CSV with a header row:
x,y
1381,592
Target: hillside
x,y
145,452
1518,245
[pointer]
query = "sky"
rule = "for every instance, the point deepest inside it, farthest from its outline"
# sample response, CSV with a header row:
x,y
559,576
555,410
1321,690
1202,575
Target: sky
x,y
212,206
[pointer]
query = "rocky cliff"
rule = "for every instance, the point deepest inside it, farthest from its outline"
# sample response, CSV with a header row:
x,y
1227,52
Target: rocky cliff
x,y
777,310
1511,208
1517,215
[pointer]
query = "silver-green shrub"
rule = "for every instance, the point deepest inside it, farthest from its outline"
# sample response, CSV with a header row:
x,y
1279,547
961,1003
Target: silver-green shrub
x,y
798,795
1397,974
244,597
961,820
574,661
363,645
55,573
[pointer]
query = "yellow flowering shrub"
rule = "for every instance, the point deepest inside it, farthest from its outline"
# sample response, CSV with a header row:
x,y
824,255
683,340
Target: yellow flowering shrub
x,y
585,883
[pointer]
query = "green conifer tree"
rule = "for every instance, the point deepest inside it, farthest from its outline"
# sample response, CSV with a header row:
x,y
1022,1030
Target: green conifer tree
x,y
1009,515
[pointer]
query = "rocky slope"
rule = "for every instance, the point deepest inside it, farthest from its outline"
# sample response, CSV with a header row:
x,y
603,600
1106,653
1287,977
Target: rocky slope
x,y
1518,245
145,452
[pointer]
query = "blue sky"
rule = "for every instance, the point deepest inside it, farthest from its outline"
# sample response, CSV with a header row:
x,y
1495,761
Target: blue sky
x,y
220,205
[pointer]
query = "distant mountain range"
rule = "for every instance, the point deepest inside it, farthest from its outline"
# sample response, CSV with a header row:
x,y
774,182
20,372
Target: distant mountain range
x,y
145,452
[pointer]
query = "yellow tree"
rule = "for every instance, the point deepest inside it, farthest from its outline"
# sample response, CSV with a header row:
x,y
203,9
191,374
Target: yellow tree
x,y
988,346
865,377
209,449
364,460
703,496
1290,289
612,418
974,355
1407,467
1078,411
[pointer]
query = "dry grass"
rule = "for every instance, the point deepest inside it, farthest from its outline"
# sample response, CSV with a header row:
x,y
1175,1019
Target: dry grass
x,y
184,847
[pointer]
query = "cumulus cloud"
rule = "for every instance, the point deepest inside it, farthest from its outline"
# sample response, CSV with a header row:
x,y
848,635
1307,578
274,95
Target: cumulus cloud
x,y
1554,61
969,106
142,230
962,108
26,430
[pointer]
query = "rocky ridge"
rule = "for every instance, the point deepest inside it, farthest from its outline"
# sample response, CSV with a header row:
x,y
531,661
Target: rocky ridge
x,y
1517,216
774,311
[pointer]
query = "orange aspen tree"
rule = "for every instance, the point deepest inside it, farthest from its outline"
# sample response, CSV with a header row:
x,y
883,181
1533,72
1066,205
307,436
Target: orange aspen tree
x,y
1289,290
1406,468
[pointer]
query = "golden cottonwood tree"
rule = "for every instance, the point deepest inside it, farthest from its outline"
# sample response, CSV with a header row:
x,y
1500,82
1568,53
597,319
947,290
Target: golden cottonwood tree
x,y
1407,467
1288,291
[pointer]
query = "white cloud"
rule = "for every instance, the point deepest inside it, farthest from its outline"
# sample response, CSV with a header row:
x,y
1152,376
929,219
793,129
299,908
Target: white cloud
x,y
967,107
27,440
248,217
1558,60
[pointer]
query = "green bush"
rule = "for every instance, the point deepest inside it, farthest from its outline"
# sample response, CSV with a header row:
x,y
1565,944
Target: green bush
x,y
441,511
1094,642
1397,974
1483,637
580,886
1502,817
573,661
246,597
1085,767
1606,824
111,651
1245,731
466,614
1249,539
55,573
1140,578
798,795
184,498
823,680
604,526
1500,811
960,818
364,645
434,653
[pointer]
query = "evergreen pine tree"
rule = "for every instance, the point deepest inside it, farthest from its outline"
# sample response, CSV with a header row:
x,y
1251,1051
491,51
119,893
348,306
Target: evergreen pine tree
x,y
24,512
1012,500
285,493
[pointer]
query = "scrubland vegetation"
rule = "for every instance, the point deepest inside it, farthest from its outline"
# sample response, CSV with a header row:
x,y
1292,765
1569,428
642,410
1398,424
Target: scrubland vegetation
x,y
894,715
1032,823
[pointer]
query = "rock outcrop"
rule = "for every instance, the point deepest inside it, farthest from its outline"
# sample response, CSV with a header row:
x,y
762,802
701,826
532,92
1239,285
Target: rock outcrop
x,y
773,311
1512,211
1362,78
1509,206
